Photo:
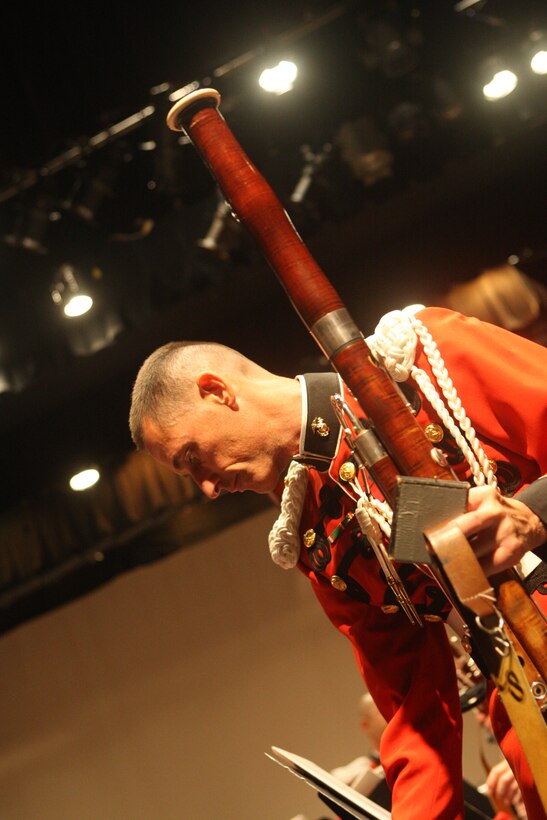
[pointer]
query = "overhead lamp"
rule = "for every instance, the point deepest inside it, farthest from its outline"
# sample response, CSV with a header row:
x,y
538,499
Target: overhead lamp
x,y
537,51
84,479
538,62
279,78
501,85
500,79
66,293
211,241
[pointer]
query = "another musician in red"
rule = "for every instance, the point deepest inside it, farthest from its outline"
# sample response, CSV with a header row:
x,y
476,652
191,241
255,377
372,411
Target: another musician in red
x,y
207,411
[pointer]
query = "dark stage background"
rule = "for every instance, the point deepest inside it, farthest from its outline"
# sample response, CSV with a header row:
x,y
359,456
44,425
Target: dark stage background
x,y
417,184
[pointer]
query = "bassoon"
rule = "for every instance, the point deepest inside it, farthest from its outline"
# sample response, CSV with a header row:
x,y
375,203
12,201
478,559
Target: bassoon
x,y
405,449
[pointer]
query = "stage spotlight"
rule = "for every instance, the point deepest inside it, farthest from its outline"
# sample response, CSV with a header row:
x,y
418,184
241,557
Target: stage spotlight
x,y
538,58
66,293
500,79
84,479
501,85
280,78
538,63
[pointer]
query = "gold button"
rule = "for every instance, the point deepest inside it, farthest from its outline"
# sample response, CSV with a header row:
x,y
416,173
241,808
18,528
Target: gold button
x,y
430,617
493,465
434,433
389,609
309,538
320,427
338,583
347,471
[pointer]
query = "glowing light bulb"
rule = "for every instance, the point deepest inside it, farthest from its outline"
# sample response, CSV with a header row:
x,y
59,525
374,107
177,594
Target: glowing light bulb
x,y
538,63
84,479
78,305
501,85
279,79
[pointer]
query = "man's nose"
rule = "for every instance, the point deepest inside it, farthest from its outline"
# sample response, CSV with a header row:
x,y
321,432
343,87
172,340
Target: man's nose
x,y
209,487
208,484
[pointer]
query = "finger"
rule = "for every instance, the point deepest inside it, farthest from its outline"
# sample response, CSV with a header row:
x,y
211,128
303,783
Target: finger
x,y
505,786
480,495
475,521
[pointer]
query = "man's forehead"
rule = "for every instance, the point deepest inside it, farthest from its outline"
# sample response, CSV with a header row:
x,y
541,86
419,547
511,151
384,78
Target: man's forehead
x,y
165,445
150,429
155,433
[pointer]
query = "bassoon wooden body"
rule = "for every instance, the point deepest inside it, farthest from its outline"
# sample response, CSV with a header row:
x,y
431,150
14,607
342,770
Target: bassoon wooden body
x,y
407,450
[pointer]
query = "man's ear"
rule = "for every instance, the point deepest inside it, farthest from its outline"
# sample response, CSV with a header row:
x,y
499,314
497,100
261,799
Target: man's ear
x,y
214,387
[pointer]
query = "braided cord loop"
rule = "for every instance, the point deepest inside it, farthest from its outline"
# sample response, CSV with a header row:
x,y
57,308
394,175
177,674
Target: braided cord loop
x,y
283,540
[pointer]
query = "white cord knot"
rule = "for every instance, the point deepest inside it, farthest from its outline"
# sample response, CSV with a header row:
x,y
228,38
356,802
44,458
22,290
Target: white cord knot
x,y
283,540
395,340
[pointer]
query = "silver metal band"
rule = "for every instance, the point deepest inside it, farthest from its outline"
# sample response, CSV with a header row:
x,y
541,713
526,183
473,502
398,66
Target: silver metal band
x,y
369,447
334,331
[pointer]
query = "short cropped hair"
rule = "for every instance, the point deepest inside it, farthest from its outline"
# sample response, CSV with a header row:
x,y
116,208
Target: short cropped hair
x,y
165,387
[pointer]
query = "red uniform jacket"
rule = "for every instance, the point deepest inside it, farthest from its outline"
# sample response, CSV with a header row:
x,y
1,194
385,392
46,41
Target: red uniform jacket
x,y
500,379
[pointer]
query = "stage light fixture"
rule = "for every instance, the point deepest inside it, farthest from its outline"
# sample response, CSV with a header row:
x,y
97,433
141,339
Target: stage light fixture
x,y
500,80
280,78
66,293
501,85
84,479
535,51
538,63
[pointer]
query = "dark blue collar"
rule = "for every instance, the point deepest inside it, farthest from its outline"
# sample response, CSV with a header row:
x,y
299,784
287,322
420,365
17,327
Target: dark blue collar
x,y
320,431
